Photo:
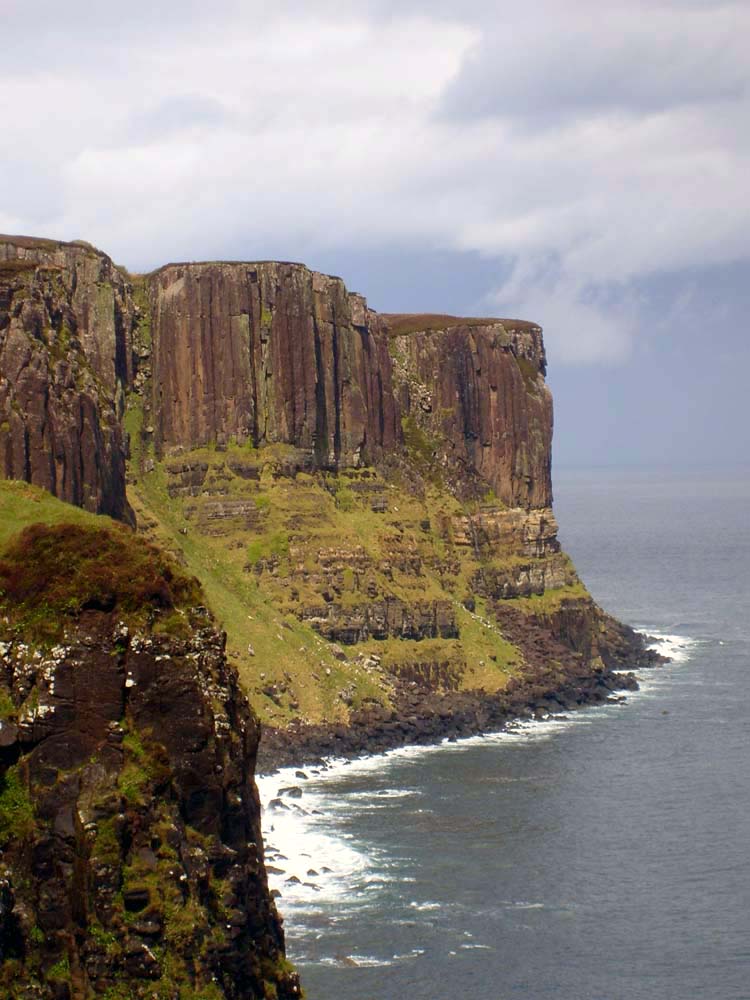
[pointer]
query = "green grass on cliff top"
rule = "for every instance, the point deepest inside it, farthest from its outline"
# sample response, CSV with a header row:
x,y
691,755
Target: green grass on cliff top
x,y
57,561
400,324
22,505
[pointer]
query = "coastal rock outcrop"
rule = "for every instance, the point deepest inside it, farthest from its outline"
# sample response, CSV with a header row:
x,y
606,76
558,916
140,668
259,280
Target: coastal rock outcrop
x,y
66,316
367,501
131,851
335,475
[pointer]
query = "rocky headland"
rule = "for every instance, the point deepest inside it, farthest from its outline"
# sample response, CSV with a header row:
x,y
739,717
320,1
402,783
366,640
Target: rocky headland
x,y
132,858
365,501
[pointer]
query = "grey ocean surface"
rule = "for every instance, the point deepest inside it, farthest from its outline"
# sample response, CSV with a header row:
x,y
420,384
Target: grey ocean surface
x,y
600,858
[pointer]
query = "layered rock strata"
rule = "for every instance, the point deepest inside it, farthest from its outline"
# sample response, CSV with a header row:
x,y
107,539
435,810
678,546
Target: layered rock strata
x,y
66,316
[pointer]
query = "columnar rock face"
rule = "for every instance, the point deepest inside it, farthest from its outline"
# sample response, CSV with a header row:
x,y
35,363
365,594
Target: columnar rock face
x,y
477,389
258,353
269,353
65,323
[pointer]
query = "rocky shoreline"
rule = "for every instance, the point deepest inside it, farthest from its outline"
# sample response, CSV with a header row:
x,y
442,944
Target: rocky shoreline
x,y
421,716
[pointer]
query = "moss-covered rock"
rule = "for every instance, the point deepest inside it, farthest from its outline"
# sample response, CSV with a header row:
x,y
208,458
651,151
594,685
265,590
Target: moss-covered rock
x,y
131,854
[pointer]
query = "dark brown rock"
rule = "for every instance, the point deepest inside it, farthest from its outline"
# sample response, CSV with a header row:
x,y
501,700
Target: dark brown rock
x,y
476,391
66,318
138,818
269,353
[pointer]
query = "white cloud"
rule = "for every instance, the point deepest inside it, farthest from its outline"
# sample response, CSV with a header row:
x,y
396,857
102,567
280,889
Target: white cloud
x,y
582,324
610,138
561,58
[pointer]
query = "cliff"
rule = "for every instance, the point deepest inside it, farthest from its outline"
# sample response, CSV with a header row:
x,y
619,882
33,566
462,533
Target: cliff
x,y
132,859
66,316
366,502
265,353
476,388
366,498
268,353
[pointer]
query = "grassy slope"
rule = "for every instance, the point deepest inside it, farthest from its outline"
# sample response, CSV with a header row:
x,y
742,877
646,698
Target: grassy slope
x,y
259,578
282,647
56,560
22,505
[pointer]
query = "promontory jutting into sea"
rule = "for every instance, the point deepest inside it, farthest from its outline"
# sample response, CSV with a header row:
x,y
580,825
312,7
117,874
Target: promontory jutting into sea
x,y
247,523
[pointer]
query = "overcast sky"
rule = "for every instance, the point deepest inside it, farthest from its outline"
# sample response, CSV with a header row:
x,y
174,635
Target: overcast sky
x,y
581,163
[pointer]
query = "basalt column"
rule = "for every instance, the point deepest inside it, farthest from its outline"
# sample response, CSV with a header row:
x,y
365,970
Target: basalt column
x,y
66,316
269,353
477,389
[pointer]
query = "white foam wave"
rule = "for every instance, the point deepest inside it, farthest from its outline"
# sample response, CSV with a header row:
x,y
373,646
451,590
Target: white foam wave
x,y
309,861
317,864
679,648
356,961
386,793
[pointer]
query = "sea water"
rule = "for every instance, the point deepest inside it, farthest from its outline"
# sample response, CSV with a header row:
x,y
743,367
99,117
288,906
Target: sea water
x,y
602,856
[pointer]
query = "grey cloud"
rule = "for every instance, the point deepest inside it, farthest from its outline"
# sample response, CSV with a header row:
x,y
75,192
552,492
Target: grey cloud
x,y
316,135
586,60
83,36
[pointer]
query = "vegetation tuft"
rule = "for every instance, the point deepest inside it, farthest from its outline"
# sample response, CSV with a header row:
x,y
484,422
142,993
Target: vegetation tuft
x,y
48,572
16,808
422,448
529,372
